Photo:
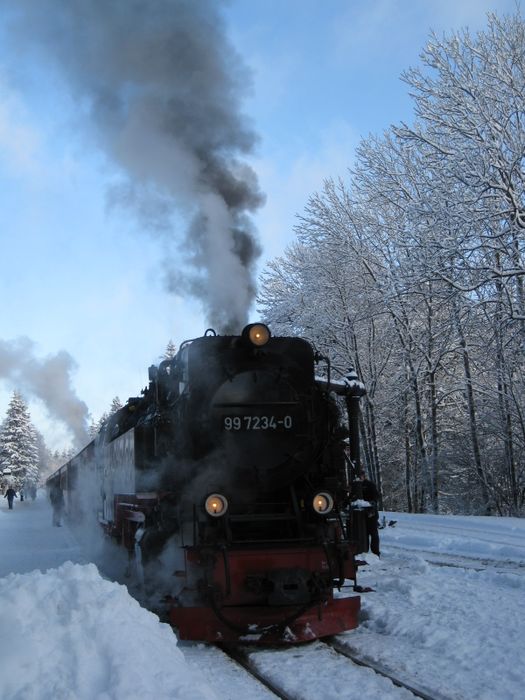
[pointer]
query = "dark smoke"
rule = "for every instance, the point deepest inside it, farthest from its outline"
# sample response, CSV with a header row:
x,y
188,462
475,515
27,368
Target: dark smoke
x,y
162,87
49,380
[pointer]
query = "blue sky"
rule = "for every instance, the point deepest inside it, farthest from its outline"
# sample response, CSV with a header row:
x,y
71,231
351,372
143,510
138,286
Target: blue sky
x,y
78,276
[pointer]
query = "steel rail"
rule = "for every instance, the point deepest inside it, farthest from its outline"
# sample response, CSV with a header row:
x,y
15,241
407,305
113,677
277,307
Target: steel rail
x,y
240,658
412,686
461,561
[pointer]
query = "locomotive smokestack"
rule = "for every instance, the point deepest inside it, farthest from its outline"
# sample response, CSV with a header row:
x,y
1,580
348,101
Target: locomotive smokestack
x,y
163,87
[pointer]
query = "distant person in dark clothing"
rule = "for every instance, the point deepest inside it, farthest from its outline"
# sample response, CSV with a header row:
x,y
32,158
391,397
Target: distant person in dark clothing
x,y
370,493
10,494
368,488
57,501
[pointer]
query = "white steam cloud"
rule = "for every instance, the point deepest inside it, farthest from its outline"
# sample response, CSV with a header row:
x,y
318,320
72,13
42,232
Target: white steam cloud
x,y
163,88
48,379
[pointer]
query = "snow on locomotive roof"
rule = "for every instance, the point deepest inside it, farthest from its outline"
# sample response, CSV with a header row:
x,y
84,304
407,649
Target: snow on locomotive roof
x,y
348,385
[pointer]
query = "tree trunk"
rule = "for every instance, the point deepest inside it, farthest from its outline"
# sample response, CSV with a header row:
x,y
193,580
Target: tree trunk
x,y
469,393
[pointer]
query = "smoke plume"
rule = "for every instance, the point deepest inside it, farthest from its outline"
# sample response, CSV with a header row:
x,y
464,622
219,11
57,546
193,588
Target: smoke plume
x,y
49,380
161,86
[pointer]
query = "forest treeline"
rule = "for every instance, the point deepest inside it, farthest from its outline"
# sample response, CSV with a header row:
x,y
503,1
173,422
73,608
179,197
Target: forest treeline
x,y
412,270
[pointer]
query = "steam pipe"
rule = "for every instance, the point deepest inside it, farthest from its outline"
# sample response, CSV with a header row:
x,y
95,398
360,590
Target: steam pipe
x,y
355,390
352,390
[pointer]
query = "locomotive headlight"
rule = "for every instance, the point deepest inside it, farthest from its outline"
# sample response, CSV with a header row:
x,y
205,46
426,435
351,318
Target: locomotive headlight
x,y
216,505
323,503
257,333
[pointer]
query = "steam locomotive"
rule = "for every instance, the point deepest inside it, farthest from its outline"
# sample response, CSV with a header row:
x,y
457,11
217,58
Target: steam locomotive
x,y
226,482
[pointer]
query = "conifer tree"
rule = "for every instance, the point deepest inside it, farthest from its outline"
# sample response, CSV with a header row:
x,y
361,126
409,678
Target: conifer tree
x,y
171,351
102,421
116,405
45,458
19,445
93,429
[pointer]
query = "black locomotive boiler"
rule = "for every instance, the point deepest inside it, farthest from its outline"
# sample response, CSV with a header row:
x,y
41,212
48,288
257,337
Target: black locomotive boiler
x,y
227,483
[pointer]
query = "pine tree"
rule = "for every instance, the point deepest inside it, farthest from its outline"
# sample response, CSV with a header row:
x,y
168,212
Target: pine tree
x,y
92,430
19,445
47,463
171,351
116,405
102,421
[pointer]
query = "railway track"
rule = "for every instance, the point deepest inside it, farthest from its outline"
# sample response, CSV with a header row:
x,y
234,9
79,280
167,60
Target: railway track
x,y
462,561
475,534
243,659
248,660
412,686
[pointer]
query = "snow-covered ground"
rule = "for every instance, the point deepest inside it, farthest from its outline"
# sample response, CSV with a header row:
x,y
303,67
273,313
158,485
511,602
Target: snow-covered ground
x,y
448,607
447,611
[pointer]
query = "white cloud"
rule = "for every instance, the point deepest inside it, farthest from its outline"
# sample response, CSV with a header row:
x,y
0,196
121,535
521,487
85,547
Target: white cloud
x,y
20,143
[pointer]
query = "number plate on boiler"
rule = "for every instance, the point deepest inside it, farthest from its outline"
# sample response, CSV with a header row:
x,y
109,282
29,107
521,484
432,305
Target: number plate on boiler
x,y
235,423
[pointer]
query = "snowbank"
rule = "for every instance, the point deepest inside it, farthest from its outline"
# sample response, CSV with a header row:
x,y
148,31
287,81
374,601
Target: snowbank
x,y
69,634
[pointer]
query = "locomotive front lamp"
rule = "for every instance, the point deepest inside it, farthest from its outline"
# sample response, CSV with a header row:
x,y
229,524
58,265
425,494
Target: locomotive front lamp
x,y
257,333
216,505
323,503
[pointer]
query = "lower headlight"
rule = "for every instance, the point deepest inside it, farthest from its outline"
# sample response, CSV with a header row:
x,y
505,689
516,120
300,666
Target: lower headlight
x,y
323,503
216,505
